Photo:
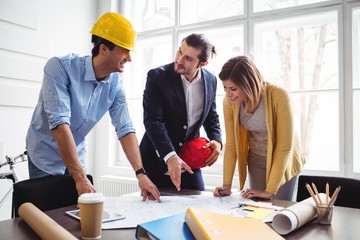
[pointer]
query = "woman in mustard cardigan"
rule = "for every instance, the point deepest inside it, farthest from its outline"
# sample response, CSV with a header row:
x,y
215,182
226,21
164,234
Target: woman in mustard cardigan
x,y
260,135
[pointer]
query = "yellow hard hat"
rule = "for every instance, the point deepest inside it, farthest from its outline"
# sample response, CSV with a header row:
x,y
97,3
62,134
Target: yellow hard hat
x,y
116,29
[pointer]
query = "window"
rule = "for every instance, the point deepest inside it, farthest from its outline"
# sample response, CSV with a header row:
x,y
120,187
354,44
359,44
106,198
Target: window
x,y
301,54
147,15
301,47
149,52
207,10
266,5
356,87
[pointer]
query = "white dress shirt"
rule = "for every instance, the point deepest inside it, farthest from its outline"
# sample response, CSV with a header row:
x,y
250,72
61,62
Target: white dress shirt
x,y
194,96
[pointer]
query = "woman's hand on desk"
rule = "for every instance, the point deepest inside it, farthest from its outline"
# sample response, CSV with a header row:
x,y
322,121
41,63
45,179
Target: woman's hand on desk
x,y
252,193
225,190
148,188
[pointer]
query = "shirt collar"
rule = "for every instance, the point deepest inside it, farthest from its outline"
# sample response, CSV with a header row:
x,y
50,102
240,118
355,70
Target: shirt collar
x,y
89,71
198,76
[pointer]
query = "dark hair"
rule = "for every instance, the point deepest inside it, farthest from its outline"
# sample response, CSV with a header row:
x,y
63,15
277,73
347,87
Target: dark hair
x,y
242,71
199,41
97,41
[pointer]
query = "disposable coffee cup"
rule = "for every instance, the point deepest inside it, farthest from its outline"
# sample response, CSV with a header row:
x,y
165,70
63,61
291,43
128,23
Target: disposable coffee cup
x,y
91,209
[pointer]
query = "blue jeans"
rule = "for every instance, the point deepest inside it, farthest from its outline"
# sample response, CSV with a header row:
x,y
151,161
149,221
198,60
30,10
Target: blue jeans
x,y
35,172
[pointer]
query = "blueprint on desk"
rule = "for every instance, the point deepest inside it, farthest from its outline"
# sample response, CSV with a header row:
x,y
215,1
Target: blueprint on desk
x,y
137,211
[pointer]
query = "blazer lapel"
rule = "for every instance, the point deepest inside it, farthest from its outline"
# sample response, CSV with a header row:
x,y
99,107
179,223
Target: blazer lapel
x,y
208,91
177,86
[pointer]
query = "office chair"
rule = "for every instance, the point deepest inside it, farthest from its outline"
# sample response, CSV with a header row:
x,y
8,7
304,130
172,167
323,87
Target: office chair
x,y
349,194
46,193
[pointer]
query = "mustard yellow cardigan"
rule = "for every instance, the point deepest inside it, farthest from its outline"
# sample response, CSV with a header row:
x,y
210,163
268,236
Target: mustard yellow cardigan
x,y
285,158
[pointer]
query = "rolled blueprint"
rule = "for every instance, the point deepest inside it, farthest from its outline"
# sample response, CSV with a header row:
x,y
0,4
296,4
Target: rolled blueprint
x,y
295,216
42,224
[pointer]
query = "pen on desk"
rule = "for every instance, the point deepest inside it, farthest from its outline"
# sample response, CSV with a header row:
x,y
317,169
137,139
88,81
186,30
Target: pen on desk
x,y
265,207
113,219
244,205
240,205
242,192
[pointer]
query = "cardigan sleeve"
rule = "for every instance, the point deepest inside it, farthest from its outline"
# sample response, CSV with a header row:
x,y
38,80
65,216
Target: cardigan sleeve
x,y
281,134
230,144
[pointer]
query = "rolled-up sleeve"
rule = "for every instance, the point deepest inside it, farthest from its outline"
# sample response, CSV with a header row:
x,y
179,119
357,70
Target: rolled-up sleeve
x,y
119,114
56,101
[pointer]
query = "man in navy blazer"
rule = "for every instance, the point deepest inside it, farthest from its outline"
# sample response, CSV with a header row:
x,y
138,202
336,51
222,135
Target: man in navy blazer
x,y
179,98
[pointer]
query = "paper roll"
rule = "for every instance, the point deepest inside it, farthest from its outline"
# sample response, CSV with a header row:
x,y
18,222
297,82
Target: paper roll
x,y
42,224
295,216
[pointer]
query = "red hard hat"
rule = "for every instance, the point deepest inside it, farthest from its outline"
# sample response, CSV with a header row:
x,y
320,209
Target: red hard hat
x,y
193,153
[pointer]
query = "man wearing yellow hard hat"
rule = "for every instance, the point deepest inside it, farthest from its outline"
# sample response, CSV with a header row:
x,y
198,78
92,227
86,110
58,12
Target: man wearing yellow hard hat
x,y
76,92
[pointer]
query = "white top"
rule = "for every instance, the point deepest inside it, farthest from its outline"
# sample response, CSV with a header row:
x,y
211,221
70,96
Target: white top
x,y
256,125
194,96
91,198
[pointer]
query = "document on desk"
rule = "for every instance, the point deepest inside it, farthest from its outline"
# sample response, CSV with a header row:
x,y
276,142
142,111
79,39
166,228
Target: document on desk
x,y
137,211
263,211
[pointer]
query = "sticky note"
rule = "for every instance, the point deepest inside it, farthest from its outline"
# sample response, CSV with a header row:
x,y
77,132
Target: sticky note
x,y
259,213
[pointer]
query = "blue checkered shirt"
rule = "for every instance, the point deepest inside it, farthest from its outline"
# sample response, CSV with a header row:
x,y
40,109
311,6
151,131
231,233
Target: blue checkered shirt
x,y
70,94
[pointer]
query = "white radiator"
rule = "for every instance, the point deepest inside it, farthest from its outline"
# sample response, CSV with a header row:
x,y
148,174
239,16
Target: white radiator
x,y
113,186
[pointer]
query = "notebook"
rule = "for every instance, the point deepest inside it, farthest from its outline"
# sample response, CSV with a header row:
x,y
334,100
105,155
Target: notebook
x,y
169,228
205,224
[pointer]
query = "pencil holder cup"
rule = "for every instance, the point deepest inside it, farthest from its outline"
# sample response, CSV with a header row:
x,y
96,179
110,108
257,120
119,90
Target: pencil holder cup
x,y
324,214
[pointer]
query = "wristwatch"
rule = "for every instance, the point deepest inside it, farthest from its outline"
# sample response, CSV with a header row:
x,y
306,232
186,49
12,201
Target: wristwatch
x,y
139,171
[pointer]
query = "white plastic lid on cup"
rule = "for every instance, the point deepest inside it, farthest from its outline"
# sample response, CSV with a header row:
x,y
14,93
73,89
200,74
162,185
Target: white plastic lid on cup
x,y
91,198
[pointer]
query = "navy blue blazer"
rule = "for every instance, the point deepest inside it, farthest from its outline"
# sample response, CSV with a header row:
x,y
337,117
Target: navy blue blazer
x,y
165,115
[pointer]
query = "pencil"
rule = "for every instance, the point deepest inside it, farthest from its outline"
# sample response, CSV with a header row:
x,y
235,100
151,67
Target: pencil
x,y
327,193
316,193
334,196
312,193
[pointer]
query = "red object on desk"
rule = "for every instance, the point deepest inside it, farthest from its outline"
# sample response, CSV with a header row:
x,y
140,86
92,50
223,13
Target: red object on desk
x,y
193,153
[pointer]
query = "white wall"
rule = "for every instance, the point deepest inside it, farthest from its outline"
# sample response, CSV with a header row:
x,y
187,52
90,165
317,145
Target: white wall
x,y
31,31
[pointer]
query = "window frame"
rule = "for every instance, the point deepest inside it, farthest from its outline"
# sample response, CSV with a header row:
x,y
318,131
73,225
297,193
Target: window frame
x,y
345,45
305,12
349,70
